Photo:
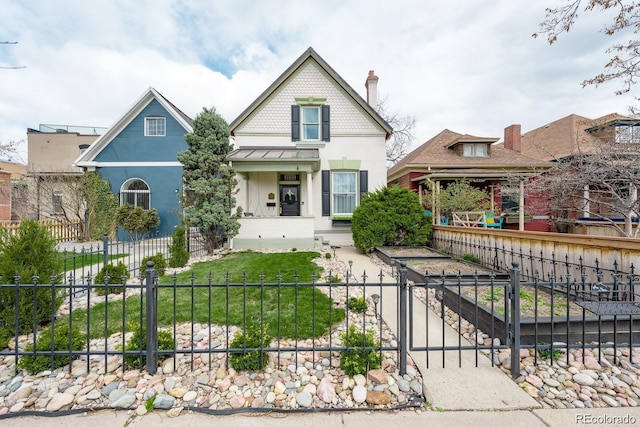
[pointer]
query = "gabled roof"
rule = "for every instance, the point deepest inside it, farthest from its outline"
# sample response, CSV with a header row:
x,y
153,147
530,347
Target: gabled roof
x,y
438,154
310,55
123,121
569,135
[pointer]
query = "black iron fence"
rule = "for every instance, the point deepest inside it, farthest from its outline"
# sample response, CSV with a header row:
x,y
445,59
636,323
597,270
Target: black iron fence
x,y
83,261
551,316
309,319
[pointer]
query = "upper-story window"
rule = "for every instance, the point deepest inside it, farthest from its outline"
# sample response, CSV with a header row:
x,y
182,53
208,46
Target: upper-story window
x,y
628,134
310,122
475,150
155,126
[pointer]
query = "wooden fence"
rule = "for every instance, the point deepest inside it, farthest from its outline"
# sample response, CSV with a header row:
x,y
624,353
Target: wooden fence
x,y
531,249
69,232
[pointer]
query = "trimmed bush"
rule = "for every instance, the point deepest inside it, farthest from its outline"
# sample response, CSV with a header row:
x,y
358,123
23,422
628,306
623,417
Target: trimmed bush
x,y
64,339
358,305
30,254
159,264
138,342
471,258
178,254
357,359
251,360
390,217
111,275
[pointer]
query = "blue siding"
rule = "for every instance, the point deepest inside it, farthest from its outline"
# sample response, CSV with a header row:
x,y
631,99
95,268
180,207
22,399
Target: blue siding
x,y
163,183
130,145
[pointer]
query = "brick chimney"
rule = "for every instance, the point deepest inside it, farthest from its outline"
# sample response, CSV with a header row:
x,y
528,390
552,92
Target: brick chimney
x,y
372,90
513,138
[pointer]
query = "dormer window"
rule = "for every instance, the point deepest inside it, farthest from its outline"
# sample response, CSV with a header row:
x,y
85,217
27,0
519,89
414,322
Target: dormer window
x,y
154,126
628,134
475,150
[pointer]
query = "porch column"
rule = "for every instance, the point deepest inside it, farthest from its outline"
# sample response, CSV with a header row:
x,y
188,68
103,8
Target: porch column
x,y
436,210
309,193
521,207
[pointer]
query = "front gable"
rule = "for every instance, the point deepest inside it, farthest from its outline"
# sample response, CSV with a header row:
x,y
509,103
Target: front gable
x,y
309,85
309,81
134,144
130,141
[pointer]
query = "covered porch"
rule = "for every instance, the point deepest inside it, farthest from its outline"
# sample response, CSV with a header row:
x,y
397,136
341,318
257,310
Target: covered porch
x,y
497,182
276,194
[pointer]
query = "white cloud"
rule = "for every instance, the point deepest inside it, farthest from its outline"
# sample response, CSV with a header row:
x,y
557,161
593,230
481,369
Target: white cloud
x,y
469,66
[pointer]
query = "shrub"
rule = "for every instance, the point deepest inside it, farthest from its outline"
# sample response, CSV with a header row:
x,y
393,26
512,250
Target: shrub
x,y
390,217
138,342
358,305
136,221
544,350
5,335
64,339
111,275
30,254
327,255
356,359
471,258
250,360
178,254
159,263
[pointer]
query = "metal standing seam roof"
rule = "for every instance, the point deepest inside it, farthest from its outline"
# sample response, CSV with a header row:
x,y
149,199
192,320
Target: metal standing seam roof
x,y
273,154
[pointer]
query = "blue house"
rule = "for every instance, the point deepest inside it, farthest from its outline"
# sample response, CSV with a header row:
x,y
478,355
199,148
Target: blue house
x,y
137,155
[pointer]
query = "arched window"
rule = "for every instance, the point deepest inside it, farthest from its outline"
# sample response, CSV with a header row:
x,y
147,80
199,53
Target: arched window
x,y
136,193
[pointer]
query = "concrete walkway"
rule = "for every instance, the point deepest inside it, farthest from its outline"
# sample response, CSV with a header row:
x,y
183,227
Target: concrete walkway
x,y
453,382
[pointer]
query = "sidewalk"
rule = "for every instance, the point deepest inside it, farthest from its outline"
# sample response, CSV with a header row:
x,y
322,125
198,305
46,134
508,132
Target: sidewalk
x,y
516,418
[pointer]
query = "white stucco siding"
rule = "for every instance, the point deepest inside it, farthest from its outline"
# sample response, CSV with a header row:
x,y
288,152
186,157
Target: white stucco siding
x,y
274,116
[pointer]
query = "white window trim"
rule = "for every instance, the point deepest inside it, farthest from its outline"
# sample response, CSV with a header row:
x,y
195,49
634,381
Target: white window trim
x,y
333,193
147,120
319,123
124,191
473,149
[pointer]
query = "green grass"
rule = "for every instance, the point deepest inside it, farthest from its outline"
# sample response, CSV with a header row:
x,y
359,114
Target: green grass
x,y
75,260
304,312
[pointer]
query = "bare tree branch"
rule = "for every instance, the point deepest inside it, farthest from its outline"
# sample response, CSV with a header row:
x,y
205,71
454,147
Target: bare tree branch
x,y
624,64
403,126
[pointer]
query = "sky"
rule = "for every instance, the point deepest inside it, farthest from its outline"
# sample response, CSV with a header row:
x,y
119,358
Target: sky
x,y
470,66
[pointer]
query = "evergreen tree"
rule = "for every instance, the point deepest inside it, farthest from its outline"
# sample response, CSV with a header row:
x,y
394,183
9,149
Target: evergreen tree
x,y
209,180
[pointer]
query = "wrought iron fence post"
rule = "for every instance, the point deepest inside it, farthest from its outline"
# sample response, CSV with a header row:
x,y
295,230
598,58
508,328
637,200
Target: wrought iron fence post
x,y
402,330
152,317
514,323
105,249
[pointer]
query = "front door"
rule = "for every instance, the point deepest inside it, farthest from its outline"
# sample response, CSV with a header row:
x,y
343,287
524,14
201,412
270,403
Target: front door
x,y
289,200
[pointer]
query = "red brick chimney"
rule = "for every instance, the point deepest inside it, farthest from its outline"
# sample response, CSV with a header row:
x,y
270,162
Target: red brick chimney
x,y
372,90
513,138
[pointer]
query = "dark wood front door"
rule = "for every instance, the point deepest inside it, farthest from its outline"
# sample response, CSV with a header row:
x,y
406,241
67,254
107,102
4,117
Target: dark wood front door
x,y
289,200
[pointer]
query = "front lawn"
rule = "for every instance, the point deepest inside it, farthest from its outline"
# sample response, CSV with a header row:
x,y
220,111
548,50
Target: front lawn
x,y
290,311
